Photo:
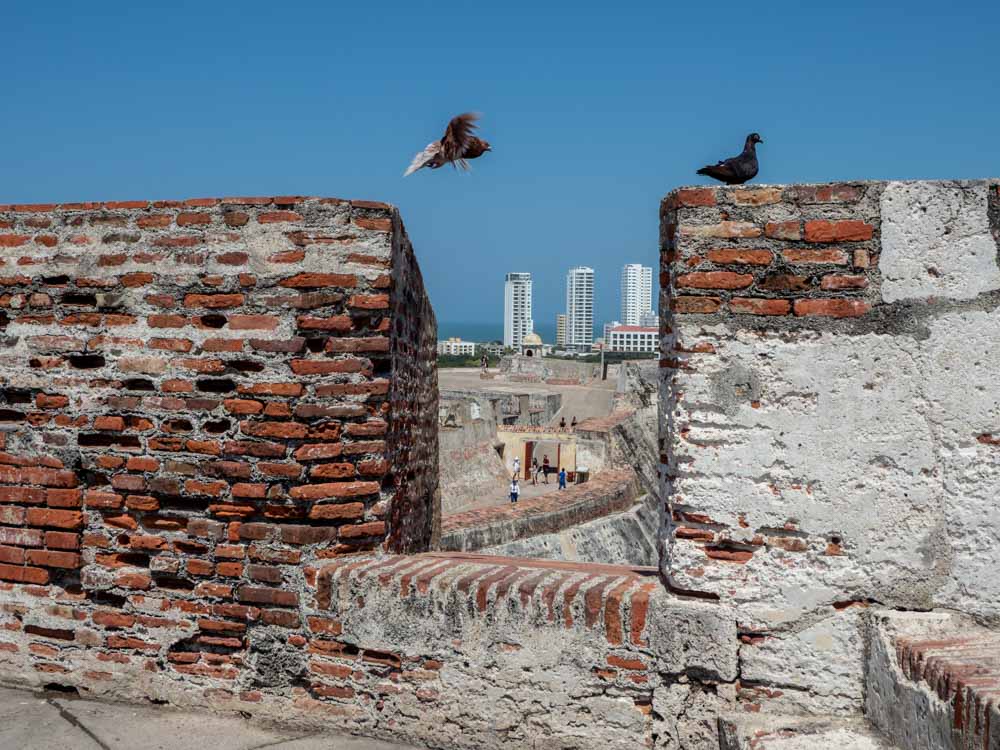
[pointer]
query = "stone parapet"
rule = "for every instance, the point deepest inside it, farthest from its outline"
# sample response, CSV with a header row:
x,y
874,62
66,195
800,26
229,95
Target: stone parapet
x,y
611,491
827,412
514,652
199,401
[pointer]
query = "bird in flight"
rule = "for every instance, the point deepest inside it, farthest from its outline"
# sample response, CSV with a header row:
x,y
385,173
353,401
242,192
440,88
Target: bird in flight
x,y
739,169
457,145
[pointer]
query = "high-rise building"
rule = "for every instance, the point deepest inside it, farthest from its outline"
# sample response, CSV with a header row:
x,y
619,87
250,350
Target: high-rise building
x,y
561,331
517,322
580,309
637,293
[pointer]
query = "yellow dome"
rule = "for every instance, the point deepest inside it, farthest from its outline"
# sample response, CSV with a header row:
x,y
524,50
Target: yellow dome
x,y
532,339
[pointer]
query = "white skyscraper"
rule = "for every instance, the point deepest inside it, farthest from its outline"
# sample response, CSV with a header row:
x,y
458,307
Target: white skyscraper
x,y
580,309
517,322
637,293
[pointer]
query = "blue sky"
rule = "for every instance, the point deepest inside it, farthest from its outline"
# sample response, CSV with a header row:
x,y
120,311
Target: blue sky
x,y
595,111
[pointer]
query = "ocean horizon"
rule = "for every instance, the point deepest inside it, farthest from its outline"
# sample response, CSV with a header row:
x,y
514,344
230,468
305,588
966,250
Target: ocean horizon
x,y
484,332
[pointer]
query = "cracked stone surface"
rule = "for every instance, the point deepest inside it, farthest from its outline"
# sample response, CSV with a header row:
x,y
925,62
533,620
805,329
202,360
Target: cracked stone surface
x,y
936,241
40,721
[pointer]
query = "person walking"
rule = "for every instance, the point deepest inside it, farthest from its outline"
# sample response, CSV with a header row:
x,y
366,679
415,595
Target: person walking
x,y
484,362
562,478
517,466
515,490
562,423
545,468
573,423
534,470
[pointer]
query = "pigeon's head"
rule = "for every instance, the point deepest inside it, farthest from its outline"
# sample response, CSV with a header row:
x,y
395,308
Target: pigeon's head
x,y
753,139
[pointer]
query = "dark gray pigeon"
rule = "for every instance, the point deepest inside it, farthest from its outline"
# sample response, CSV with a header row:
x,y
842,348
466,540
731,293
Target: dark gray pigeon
x,y
739,169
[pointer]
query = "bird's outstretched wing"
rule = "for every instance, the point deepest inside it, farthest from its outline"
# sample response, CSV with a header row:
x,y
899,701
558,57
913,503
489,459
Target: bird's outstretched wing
x,y
458,134
423,158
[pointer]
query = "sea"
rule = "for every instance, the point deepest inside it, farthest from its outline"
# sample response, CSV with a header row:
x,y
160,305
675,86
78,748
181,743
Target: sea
x,y
484,332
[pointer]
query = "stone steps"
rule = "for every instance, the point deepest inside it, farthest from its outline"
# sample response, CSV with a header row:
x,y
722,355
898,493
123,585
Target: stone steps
x,y
799,733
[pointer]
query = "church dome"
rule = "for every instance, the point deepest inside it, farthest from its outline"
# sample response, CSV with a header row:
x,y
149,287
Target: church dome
x,y
532,339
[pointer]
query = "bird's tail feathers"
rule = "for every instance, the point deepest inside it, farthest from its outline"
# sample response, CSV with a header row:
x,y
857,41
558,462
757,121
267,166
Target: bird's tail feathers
x,y
424,158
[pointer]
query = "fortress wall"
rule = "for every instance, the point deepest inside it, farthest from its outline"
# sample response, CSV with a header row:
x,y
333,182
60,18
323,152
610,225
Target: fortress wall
x,y
219,477
830,414
200,402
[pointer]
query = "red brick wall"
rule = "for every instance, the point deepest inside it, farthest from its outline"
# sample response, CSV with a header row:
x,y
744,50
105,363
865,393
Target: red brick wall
x,y
200,400
722,255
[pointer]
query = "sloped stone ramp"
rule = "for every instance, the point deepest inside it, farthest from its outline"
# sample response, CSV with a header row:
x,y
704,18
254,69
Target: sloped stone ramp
x,y
799,733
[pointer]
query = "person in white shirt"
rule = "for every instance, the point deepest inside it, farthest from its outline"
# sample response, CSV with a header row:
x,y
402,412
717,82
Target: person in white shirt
x,y
517,466
515,490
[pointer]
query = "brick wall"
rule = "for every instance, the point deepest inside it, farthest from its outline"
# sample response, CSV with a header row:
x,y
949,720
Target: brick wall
x,y
201,401
828,407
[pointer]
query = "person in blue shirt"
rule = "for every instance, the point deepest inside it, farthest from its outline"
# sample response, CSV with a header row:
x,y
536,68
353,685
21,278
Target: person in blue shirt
x,y
562,478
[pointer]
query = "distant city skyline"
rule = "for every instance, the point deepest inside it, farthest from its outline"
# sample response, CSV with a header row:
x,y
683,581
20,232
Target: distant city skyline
x,y
576,325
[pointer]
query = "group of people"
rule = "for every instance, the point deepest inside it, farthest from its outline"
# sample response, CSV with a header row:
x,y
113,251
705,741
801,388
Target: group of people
x,y
536,469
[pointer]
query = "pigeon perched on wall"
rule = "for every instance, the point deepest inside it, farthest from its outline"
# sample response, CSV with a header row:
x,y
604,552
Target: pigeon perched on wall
x,y
740,168
457,145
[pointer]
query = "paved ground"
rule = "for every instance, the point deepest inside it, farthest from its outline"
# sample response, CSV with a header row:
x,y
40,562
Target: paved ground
x,y
46,721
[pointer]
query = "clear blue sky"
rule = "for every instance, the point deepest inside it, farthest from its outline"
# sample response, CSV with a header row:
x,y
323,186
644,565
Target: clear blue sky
x,y
595,110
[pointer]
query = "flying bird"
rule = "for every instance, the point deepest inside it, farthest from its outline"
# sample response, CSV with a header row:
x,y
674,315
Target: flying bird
x,y
457,145
740,168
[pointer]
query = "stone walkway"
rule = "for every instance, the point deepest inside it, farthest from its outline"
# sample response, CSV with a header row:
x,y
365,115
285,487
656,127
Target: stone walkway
x,y
42,721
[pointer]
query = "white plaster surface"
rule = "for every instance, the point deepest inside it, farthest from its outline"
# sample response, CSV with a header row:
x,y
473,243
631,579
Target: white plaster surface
x,y
824,659
869,438
936,241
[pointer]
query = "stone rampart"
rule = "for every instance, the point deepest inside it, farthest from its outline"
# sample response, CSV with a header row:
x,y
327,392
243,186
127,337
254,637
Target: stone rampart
x,y
829,414
610,492
200,402
512,653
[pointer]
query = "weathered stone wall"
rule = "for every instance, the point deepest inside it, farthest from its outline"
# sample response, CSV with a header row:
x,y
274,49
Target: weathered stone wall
x,y
536,369
473,651
610,492
830,414
469,460
201,402
629,537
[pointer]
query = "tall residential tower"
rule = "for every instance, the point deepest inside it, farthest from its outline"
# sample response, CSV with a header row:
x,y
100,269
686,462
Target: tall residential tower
x,y
580,309
517,322
637,293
